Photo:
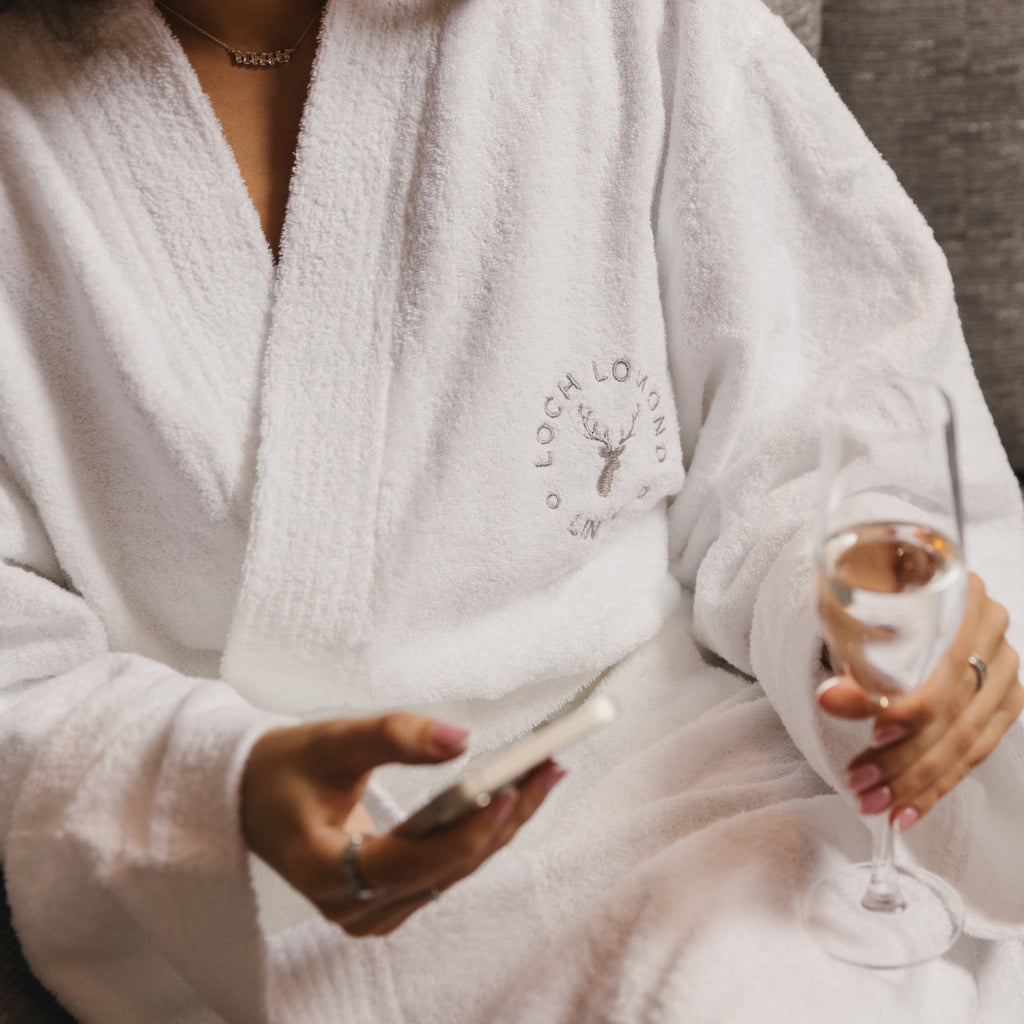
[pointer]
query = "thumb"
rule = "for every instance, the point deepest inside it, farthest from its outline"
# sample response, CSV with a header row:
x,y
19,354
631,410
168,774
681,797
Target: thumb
x,y
843,697
361,744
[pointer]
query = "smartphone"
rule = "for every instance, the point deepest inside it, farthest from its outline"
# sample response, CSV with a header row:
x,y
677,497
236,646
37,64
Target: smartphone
x,y
506,767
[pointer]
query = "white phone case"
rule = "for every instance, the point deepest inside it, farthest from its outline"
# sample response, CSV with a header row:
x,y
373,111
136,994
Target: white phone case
x,y
508,765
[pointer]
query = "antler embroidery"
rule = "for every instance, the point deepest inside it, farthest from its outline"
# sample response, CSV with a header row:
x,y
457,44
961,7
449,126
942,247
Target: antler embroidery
x,y
609,452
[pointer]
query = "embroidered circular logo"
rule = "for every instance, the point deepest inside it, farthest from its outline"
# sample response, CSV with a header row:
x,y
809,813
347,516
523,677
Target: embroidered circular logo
x,y
598,442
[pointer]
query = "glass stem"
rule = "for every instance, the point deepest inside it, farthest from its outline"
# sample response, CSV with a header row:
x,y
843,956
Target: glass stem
x,y
883,892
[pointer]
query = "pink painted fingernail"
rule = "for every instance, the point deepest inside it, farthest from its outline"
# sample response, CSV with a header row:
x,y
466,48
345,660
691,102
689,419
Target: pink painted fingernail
x,y
501,807
864,777
889,734
826,686
875,800
553,779
906,818
449,738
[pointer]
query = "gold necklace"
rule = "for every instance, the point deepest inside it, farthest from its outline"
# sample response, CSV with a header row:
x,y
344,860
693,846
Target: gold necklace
x,y
247,58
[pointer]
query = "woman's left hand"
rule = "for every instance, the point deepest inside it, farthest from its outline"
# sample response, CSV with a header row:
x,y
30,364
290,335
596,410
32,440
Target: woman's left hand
x,y
926,741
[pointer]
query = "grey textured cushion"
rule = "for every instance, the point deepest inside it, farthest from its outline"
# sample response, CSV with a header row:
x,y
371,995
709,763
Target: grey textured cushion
x,y
938,85
803,17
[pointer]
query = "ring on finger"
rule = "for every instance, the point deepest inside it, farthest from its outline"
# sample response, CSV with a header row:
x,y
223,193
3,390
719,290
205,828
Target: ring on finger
x,y
352,873
980,670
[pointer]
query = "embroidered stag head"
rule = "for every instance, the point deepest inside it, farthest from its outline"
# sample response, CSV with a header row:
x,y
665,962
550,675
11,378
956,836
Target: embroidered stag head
x,y
611,453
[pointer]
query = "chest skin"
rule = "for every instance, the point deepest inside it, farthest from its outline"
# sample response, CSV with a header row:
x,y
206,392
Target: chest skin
x,y
260,111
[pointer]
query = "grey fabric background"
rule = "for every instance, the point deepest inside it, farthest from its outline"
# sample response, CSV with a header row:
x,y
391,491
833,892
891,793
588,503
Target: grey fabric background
x,y
804,18
939,86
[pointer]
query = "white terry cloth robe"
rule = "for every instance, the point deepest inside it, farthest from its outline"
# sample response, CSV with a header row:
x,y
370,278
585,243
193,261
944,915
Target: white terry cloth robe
x,y
532,391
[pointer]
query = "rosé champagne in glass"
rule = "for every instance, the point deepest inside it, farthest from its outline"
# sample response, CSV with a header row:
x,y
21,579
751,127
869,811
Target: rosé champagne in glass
x,y
892,588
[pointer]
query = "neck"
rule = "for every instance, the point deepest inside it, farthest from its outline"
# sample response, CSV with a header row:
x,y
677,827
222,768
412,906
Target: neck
x,y
251,24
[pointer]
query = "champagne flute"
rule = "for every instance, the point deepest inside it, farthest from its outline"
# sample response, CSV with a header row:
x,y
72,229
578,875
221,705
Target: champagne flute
x,y
892,587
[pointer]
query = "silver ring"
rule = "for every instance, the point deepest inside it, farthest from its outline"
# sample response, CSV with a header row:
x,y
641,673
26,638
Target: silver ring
x,y
980,669
350,871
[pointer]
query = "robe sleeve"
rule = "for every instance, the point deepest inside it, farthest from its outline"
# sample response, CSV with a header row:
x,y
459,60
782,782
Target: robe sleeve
x,y
791,259
124,863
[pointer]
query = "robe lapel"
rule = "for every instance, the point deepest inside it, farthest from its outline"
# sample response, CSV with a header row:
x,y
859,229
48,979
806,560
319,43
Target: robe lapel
x,y
301,618
172,260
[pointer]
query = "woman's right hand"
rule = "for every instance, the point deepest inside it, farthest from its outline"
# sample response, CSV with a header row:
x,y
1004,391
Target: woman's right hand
x,y
300,806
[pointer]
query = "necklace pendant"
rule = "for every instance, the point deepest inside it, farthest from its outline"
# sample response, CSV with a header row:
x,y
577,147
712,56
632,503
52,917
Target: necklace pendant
x,y
261,59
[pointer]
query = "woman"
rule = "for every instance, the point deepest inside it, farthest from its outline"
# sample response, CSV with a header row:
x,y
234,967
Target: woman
x,y
433,368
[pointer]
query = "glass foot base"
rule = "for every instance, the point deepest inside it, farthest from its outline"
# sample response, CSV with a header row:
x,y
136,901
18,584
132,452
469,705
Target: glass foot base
x,y
928,923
